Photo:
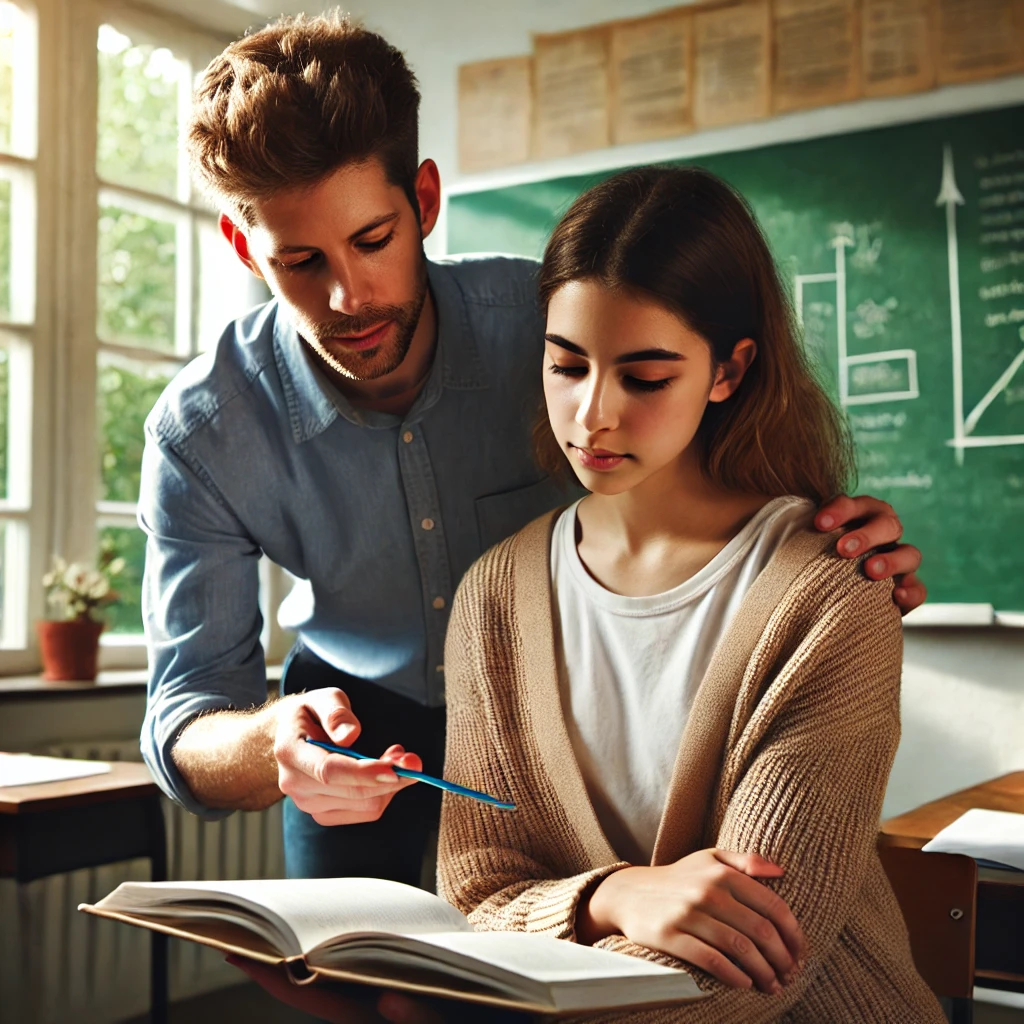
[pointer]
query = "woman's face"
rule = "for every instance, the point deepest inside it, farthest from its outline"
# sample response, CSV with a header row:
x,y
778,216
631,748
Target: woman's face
x,y
626,383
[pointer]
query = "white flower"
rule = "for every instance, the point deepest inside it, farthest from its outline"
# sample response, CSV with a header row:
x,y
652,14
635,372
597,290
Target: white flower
x,y
99,588
116,567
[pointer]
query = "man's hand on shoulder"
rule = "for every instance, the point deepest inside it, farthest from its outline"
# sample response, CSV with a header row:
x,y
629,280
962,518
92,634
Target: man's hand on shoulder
x,y
334,789
871,527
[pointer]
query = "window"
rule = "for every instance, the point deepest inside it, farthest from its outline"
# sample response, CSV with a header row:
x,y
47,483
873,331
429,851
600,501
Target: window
x,y
18,328
166,282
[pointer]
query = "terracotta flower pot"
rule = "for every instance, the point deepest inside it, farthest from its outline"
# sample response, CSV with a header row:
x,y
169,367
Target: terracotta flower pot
x,y
69,649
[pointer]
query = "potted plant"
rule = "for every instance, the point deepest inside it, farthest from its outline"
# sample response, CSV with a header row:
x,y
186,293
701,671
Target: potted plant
x,y
69,642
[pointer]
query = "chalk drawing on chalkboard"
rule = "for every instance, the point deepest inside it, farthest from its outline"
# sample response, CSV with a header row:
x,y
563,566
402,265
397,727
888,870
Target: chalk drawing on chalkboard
x,y
874,376
963,426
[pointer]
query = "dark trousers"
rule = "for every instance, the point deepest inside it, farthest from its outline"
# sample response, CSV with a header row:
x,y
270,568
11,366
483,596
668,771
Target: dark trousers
x,y
393,847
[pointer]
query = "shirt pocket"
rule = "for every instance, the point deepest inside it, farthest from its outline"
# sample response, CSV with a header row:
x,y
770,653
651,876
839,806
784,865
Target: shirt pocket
x,y
500,515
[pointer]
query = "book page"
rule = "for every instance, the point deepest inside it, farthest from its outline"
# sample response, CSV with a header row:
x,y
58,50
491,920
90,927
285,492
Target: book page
x,y
651,68
979,39
513,965
571,93
817,53
495,113
731,64
896,47
305,911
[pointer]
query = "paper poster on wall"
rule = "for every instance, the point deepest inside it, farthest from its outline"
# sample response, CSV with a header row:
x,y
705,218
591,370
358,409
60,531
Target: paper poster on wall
x,y
979,39
732,58
897,50
495,113
571,92
817,53
651,73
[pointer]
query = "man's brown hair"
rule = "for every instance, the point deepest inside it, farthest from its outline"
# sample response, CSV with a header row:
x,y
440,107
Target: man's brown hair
x,y
690,242
289,104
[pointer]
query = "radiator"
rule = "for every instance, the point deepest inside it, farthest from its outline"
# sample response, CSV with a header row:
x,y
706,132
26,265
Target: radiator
x,y
58,966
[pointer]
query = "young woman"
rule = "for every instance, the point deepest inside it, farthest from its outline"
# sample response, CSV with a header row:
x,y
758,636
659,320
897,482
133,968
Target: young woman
x,y
693,702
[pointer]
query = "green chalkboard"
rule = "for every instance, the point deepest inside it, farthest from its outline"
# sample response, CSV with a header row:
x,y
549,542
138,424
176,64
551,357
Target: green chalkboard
x,y
883,235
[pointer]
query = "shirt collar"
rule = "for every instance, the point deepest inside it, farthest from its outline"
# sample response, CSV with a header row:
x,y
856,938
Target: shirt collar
x,y
313,403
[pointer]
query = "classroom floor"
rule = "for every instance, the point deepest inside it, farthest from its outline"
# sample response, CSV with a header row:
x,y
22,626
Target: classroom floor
x,y
248,1002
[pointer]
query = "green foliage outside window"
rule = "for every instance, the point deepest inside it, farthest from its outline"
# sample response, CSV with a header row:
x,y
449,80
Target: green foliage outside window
x,y
125,398
136,273
137,137
129,544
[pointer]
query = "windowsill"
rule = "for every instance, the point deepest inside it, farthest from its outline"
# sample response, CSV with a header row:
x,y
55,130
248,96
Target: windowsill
x,y
108,683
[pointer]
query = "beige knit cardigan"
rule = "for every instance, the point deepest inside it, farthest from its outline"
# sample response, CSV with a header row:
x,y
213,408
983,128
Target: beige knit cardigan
x,y
786,753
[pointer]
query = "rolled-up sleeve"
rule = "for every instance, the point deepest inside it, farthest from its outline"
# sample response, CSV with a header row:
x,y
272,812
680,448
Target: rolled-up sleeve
x,y
200,606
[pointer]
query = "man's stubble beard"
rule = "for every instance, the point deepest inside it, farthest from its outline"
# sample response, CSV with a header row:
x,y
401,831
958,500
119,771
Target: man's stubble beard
x,y
376,362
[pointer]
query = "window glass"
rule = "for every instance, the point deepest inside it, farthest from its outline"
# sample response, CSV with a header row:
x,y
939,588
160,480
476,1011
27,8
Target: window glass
x,y
129,543
126,391
136,298
137,139
9,17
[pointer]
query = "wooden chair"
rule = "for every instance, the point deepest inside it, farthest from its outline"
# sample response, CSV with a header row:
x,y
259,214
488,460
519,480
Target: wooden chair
x,y
937,893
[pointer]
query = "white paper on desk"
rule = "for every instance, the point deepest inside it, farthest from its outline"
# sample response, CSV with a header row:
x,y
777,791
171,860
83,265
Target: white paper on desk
x,y
27,769
996,837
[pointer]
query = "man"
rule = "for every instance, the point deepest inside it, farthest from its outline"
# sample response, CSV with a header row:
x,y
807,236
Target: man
x,y
368,429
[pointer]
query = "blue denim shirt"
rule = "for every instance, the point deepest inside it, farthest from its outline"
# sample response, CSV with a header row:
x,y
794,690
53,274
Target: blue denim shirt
x,y
251,451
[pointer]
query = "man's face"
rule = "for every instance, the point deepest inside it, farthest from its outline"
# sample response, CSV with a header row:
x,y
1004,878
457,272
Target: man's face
x,y
345,256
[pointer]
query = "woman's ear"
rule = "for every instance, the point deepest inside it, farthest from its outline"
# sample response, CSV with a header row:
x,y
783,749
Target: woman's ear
x,y
729,374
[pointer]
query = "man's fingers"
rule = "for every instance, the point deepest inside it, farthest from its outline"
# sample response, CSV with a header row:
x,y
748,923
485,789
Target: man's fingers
x,y
900,561
842,510
331,709
910,592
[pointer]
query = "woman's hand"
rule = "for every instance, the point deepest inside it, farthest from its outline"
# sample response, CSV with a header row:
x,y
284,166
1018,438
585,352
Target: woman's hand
x,y
337,1004
706,909
873,524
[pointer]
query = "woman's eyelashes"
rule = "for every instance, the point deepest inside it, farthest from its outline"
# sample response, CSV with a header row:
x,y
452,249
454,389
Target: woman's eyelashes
x,y
632,383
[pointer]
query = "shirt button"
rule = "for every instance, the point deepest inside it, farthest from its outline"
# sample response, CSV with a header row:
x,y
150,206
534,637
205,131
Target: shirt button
x,y
407,437
427,524
439,668
438,603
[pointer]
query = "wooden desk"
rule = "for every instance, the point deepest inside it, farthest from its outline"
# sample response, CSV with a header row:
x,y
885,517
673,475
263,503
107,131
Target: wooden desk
x,y
999,925
54,827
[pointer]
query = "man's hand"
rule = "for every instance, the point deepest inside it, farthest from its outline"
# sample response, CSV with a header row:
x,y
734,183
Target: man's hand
x,y
707,909
870,524
245,760
334,789
337,1004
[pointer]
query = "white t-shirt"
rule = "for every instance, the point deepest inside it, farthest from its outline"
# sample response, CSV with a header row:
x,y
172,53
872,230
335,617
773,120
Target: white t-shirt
x,y
630,667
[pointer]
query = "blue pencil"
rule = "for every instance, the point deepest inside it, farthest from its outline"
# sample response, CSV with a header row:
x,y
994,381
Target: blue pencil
x,y
407,773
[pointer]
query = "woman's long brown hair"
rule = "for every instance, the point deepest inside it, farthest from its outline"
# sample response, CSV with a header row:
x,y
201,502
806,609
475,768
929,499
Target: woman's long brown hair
x,y
687,240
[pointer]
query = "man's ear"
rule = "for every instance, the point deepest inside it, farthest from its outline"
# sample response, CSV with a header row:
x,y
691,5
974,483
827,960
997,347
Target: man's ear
x,y
428,195
729,374
238,241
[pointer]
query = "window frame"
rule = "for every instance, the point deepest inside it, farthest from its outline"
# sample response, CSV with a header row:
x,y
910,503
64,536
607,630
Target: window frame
x,y
59,508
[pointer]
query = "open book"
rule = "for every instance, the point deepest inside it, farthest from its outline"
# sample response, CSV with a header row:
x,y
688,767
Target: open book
x,y
384,933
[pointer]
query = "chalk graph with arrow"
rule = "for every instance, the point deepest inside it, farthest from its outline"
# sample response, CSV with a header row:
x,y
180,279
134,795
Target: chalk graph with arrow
x,y
964,427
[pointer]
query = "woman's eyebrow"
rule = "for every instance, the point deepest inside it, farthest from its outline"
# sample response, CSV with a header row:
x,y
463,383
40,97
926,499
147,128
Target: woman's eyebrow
x,y
648,355
569,346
